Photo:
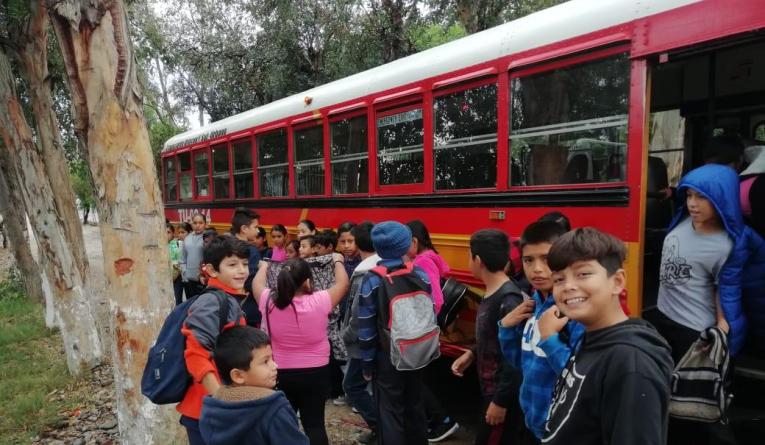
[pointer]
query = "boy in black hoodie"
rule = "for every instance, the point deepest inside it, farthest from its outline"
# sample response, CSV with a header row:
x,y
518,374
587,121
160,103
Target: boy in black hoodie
x,y
246,410
615,387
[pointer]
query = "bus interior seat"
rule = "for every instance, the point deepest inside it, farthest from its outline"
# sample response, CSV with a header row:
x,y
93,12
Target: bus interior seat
x,y
576,170
658,206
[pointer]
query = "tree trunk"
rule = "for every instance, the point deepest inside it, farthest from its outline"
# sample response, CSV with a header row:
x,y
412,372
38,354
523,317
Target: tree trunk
x,y
25,162
14,215
85,213
109,122
33,62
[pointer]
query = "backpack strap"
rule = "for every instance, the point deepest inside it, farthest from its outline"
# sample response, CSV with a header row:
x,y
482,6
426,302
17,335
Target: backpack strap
x,y
223,307
384,272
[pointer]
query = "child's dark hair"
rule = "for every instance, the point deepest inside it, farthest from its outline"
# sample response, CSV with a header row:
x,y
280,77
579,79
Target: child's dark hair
x,y
362,235
170,226
420,232
345,227
327,238
187,227
209,233
262,234
295,245
234,348
242,217
293,274
310,238
724,149
586,244
493,247
540,232
557,217
279,228
308,223
221,247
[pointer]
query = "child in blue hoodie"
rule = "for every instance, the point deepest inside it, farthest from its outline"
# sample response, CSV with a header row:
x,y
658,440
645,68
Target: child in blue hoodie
x,y
533,339
246,410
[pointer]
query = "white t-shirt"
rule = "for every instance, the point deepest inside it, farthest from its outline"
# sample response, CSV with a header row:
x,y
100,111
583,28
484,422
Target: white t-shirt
x,y
690,265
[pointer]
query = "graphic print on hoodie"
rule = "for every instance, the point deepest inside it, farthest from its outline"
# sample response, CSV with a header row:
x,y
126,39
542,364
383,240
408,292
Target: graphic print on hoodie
x,y
614,390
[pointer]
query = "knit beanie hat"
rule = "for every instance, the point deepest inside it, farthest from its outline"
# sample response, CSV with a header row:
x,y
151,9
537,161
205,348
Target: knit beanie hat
x,y
391,239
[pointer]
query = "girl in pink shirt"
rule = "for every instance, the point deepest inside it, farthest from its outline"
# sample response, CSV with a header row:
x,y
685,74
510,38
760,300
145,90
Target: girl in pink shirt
x,y
279,241
296,319
423,254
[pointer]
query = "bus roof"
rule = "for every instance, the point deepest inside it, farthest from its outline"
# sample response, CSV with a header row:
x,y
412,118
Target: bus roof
x,y
561,22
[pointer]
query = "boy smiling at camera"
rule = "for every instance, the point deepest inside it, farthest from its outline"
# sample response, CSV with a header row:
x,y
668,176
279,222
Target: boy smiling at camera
x,y
615,387
246,410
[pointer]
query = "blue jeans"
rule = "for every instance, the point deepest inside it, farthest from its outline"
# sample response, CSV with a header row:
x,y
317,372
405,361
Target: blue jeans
x,y
356,391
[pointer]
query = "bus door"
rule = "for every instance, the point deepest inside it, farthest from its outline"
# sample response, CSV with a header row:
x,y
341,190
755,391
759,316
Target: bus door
x,y
717,88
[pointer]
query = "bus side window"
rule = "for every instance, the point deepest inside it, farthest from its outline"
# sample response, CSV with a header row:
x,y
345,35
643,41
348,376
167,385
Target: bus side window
x,y
348,148
171,179
400,147
569,125
273,172
243,173
465,139
309,160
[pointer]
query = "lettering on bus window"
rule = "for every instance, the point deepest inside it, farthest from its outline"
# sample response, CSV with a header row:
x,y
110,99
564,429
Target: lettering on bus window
x,y
399,148
202,173
220,171
171,179
569,125
273,167
242,168
309,160
184,163
465,139
348,145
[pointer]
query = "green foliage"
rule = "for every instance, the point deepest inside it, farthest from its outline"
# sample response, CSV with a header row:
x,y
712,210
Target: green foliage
x,y
433,35
31,367
82,184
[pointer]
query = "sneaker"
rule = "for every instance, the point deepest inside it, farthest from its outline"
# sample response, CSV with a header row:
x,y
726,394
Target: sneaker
x,y
340,401
443,430
370,437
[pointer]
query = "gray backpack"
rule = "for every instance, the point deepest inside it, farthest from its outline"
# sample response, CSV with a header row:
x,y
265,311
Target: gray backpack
x,y
413,335
700,380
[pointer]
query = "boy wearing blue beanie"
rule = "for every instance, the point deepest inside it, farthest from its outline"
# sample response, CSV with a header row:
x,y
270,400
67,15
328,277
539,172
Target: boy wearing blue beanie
x,y
402,419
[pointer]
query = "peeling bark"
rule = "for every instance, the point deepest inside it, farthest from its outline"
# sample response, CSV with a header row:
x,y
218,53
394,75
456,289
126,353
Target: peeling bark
x,y
26,163
110,124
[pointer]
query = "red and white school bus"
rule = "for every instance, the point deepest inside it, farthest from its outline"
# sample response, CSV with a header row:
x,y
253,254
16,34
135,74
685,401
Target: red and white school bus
x,y
589,108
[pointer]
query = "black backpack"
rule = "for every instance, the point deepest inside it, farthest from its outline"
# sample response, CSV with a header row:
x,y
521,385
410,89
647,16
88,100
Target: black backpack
x,y
165,377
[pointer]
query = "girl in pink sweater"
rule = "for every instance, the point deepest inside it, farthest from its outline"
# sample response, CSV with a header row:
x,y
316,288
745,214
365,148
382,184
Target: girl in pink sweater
x,y
424,255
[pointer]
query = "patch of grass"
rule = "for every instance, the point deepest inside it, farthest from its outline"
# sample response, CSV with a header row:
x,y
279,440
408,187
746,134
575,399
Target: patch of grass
x,y
32,366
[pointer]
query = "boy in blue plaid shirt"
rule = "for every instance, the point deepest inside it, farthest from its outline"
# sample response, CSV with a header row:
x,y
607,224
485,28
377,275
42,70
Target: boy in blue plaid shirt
x,y
532,337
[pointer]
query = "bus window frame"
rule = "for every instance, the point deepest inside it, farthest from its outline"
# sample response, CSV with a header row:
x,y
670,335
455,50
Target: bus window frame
x,y
164,177
194,151
566,61
191,171
303,125
350,114
227,143
236,139
396,106
457,87
271,127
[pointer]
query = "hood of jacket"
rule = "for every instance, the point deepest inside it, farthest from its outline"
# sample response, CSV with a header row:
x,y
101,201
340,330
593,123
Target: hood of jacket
x,y
235,412
720,185
366,265
755,155
635,332
443,268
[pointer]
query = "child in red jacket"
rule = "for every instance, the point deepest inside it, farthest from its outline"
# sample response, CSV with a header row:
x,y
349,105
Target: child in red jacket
x,y
226,262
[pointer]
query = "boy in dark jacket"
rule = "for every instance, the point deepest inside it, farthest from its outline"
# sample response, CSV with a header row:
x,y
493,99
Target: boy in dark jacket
x,y
226,262
615,387
246,410
502,421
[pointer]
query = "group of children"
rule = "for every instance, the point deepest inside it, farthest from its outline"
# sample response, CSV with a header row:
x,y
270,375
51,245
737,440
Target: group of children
x,y
558,359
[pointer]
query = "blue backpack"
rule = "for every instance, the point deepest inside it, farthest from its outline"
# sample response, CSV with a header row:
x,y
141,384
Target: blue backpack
x,y
165,378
